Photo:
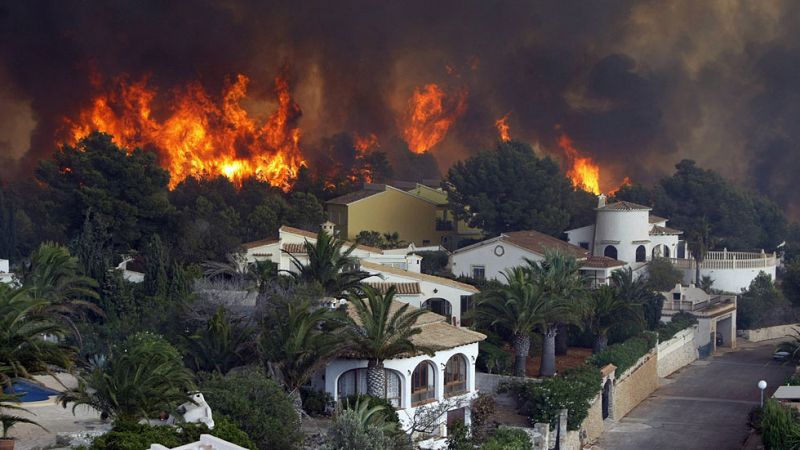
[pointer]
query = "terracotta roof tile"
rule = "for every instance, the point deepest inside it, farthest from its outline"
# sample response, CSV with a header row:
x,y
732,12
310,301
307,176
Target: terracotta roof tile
x,y
625,206
601,261
262,242
539,243
664,230
656,219
351,197
401,288
419,276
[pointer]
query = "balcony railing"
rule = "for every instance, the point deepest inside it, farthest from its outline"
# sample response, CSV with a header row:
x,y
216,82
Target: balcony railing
x,y
717,260
454,388
688,305
423,395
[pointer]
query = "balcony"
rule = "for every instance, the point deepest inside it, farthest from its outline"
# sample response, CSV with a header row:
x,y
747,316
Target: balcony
x,y
717,260
423,395
695,306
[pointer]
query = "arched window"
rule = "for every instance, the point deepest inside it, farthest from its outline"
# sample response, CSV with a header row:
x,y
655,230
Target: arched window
x,y
610,251
354,382
641,254
455,376
666,252
439,306
423,383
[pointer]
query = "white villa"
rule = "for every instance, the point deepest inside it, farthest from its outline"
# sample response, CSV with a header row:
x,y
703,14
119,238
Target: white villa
x,y
488,259
444,381
400,268
716,315
628,232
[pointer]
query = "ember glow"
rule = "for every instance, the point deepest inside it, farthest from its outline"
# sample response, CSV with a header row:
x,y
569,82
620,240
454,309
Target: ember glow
x,y
365,143
502,128
199,137
429,115
583,172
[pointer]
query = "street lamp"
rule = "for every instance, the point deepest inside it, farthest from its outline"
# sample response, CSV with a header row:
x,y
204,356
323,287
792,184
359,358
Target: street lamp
x,y
762,385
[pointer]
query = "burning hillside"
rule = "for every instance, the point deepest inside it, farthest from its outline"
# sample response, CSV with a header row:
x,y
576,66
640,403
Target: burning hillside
x,y
198,135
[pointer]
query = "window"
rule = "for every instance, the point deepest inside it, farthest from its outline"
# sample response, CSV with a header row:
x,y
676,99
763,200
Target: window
x,y
354,382
479,272
584,245
439,306
676,295
666,252
455,376
423,387
610,251
641,254
466,305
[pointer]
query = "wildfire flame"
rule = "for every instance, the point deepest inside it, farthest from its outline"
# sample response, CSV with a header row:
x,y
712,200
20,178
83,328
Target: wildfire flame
x,y
502,128
429,115
199,137
365,143
625,182
584,173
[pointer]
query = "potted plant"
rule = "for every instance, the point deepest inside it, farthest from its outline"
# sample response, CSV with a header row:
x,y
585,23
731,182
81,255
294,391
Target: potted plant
x,y
7,421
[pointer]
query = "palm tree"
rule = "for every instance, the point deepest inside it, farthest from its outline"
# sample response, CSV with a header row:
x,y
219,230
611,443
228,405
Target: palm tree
x,y
605,310
378,329
559,281
9,402
330,266
296,340
638,290
23,350
55,277
141,379
223,344
516,307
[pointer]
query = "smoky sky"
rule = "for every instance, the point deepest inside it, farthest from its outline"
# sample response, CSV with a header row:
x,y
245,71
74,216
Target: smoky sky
x,y
637,85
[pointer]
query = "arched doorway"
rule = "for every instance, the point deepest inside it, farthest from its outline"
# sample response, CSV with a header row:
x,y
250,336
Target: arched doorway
x,y
439,306
610,251
641,254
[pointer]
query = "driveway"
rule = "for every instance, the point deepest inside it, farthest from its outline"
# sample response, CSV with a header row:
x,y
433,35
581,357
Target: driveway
x,y
702,406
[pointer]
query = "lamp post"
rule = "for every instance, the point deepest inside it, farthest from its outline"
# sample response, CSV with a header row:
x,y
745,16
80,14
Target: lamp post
x,y
761,386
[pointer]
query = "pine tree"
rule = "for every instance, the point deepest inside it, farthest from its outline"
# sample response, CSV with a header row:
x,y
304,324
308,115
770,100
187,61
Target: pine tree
x,y
155,272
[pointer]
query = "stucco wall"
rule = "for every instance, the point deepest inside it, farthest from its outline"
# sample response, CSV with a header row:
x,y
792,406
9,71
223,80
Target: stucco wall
x,y
729,280
484,254
413,218
763,334
635,385
592,426
676,352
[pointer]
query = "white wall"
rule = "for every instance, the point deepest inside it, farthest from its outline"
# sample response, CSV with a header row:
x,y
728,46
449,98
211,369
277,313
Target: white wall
x,y
729,280
405,367
625,227
484,254
677,352
583,234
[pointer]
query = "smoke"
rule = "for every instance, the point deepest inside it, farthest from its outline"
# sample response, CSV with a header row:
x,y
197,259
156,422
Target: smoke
x,y
636,85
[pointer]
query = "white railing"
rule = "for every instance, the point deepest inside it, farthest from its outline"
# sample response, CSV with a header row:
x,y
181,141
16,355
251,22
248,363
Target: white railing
x,y
730,260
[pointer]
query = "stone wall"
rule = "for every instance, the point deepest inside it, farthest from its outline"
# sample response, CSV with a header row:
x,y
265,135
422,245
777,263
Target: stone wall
x,y
635,385
764,334
592,426
677,352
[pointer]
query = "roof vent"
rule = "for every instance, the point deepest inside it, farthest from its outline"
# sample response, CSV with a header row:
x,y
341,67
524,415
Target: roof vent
x,y
601,200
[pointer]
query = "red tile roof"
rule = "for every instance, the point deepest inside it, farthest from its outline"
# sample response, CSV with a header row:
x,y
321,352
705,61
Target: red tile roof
x,y
401,288
624,206
539,242
601,262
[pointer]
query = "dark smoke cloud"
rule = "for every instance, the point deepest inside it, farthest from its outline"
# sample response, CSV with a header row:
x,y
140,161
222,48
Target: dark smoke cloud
x,y
637,85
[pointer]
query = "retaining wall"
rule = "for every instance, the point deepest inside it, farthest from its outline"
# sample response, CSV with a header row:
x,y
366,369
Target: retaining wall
x,y
635,385
676,352
764,334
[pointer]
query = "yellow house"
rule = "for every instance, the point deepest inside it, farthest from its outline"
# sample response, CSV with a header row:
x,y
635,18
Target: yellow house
x,y
418,213
382,208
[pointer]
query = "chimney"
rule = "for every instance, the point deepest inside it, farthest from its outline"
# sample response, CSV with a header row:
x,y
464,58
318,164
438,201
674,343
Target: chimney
x,y
414,263
327,227
601,200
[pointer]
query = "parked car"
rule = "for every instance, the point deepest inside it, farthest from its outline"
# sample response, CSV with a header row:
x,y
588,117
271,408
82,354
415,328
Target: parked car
x,y
781,356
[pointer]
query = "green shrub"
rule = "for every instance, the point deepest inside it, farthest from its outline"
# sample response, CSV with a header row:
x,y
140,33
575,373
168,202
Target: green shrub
x,y
351,401
572,390
625,354
351,430
779,427
316,403
793,380
482,408
135,436
257,405
493,359
458,437
508,439
679,322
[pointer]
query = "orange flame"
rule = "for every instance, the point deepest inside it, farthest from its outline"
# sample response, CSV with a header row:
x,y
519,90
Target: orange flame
x,y
502,128
429,115
625,182
200,138
584,173
365,143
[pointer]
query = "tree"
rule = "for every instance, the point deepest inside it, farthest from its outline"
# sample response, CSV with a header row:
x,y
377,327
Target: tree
x,y
334,269
559,281
510,188
92,247
638,290
362,426
257,405
23,352
8,404
378,328
142,378
762,304
305,211
790,284
516,307
155,261
662,275
606,310
296,340
224,343
126,189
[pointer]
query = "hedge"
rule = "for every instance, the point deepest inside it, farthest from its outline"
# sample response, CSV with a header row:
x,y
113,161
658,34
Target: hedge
x,y
572,390
679,322
625,354
508,439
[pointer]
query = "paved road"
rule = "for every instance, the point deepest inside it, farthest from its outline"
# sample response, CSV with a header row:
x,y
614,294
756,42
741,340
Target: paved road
x,y
703,406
